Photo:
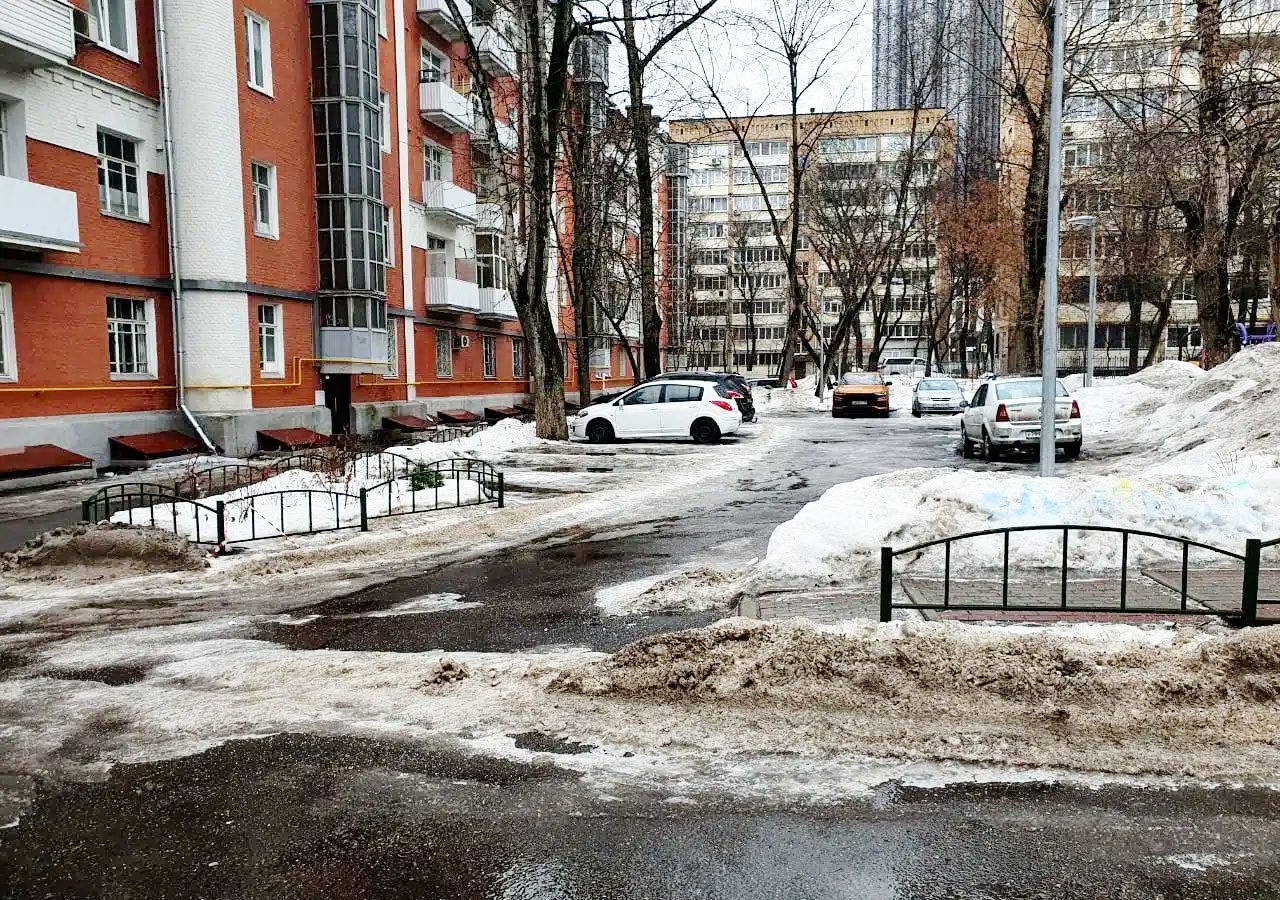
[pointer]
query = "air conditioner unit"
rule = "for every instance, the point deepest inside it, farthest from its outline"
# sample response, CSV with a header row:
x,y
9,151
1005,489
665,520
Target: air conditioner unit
x,y
461,342
716,162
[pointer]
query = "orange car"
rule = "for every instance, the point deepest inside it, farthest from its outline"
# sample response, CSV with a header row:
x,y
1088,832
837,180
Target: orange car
x,y
861,393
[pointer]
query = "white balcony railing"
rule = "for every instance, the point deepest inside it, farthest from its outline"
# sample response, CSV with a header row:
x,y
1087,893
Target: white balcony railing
x,y
38,217
508,138
437,15
494,50
445,200
36,33
446,293
497,302
489,217
442,105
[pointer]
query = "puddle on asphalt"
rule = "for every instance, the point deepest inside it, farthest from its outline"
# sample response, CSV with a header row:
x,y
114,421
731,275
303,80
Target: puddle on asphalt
x,y
541,742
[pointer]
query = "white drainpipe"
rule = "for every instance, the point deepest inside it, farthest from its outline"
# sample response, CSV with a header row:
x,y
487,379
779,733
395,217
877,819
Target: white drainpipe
x,y
175,255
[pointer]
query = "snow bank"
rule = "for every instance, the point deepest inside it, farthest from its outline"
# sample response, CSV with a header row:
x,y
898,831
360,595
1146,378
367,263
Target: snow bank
x,y
696,588
788,400
501,437
833,537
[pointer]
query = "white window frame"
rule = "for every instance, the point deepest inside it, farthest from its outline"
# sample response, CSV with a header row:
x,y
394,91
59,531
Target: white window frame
x,y
130,37
270,227
259,81
518,363
4,137
389,236
489,354
139,177
8,342
384,105
439,62
149,321
444,361
273,369
437,159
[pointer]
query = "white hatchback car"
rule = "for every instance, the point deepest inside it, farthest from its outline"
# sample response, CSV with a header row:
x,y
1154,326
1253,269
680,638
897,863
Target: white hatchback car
x,y
1005,415
667,408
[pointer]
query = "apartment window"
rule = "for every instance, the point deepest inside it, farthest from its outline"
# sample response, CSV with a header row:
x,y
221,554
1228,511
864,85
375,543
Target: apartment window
x,y
384,106
444,353
708,204
1080,156
118,176
258,43
749,203
265,207
766,148
491,265
131,338
517,358
8,350
271,339
433,163
433,66
708,151
112,23
849,145
705,177
490,345
393,351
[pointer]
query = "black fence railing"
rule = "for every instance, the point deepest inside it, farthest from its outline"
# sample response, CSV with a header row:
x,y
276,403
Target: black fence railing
x,y
1250,561
409,487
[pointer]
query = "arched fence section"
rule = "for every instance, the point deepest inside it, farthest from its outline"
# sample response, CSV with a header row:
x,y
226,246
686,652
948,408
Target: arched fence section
x,y
407,487
1248,562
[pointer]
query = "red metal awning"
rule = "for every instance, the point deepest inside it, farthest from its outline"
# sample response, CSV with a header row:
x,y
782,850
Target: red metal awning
x,y
153,445
291,439
40,459
493,413
408,423
457,416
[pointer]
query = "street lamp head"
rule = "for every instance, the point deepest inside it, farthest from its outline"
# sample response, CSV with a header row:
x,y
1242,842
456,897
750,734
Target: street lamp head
x,y
1082,221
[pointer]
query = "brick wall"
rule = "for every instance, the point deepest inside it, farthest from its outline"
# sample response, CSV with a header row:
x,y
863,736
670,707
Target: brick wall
x,y
299,330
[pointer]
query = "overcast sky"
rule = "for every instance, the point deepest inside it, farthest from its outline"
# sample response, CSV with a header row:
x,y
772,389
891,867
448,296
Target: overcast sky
x,y
727,54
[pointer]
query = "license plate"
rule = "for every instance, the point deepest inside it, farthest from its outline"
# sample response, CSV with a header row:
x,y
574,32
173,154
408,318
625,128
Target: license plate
x,y
1033,435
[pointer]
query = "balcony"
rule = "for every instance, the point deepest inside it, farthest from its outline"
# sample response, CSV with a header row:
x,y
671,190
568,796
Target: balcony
x,y
456,293
442,105
489,217
494,51
508,139
445,200
496,303
38,217
36,33
436,14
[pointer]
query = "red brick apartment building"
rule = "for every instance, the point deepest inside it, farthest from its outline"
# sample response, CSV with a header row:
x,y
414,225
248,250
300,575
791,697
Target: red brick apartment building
x,y
241,215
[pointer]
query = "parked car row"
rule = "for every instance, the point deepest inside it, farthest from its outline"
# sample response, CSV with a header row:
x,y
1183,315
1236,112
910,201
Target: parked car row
x,y
703,406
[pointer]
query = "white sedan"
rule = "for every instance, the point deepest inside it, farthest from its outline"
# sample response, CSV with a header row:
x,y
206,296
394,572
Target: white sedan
x,y
669,408
1005,415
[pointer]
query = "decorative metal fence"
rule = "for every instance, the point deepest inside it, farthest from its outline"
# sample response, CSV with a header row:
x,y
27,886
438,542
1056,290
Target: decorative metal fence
x,y
410,487
1249,561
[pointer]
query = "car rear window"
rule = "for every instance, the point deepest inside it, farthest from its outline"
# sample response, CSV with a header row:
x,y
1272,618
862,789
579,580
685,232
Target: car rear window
x,y
938,384
681,393
1024,390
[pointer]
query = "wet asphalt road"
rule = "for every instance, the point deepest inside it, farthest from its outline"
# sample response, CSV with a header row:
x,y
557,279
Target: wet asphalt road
x,y
310,817
545,595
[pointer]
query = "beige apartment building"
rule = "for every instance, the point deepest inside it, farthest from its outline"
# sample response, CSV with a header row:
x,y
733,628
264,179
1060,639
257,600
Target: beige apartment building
x,y
734,312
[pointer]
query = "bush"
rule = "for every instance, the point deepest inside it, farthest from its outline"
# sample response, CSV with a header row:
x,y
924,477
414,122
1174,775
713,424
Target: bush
x,y
423,477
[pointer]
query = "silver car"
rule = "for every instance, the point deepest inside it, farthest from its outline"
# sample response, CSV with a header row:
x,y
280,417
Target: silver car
x,y
937,395
1005,415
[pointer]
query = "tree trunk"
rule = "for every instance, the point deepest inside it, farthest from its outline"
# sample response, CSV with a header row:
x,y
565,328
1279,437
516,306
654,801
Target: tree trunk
x,y
641,129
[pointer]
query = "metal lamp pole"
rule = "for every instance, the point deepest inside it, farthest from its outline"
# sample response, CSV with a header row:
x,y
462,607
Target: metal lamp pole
x,y
1090,222
1049,340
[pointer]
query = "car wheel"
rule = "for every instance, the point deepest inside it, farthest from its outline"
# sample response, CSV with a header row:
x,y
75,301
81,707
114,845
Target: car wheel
x,y
599,431
1072,450
705,431
967,449
915,410
990,452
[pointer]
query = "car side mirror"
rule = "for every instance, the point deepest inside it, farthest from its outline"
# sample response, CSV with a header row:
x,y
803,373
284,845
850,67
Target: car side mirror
x,y
887,383
964,404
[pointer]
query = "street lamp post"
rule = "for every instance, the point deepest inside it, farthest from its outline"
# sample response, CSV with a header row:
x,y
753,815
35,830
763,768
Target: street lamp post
x,y
1049,339
1090,222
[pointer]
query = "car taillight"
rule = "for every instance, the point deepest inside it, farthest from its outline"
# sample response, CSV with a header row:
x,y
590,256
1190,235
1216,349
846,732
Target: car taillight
x,y
1075,409
734,395
1002,414
723,404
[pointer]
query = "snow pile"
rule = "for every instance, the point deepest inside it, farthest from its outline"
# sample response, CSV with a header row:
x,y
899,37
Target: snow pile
x,y
833,537
789,400
696,588
1174,417
501,437
112,549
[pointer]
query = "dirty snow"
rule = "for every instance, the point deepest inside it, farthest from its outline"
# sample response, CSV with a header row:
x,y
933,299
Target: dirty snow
x,y
1174,450
694,587
428,603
